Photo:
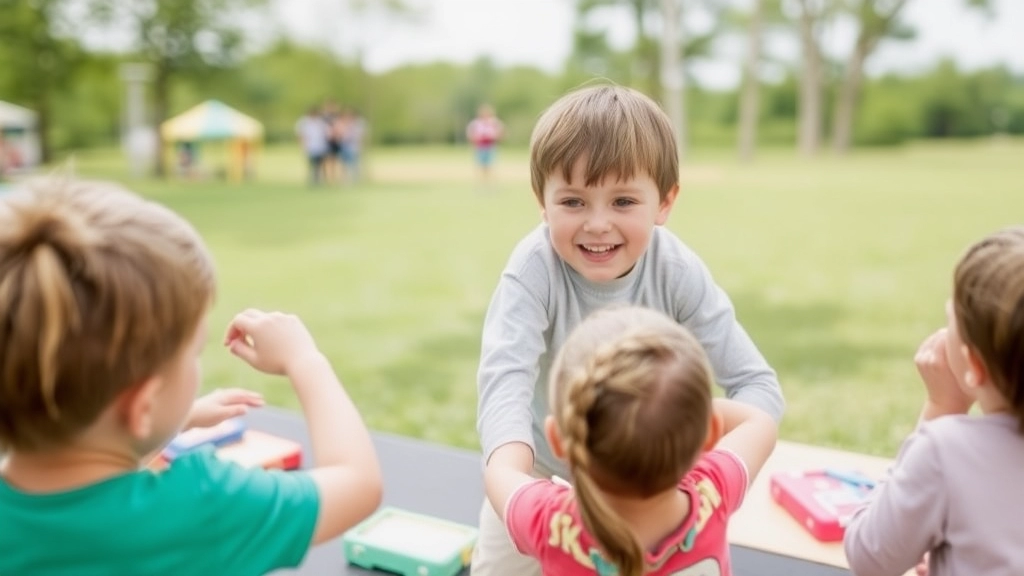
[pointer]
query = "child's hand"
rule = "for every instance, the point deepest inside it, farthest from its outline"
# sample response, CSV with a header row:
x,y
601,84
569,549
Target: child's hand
x,y
219,405
944,390
270,342
922,567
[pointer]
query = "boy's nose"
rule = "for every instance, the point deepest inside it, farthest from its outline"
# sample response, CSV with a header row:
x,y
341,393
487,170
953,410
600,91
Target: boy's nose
x,y
596,222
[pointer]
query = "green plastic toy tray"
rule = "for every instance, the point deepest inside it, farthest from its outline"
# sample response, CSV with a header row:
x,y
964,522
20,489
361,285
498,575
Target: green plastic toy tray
x,y
410,544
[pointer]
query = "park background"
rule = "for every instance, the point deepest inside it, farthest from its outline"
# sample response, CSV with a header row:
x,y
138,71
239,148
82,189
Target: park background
x,y
830,179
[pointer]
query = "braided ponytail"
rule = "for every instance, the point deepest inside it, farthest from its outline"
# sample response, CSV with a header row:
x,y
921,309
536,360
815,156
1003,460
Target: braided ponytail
x,y
616,538
631,397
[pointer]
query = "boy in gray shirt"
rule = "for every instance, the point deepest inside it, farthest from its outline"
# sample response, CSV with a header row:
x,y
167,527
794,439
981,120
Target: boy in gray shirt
x,y
605,170
954,492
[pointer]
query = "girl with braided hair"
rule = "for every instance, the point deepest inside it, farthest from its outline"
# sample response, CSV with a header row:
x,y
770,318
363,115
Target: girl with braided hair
x,y
658,466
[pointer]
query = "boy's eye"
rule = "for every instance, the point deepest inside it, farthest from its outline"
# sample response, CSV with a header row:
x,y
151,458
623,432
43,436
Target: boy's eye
x,y
620,202
572,202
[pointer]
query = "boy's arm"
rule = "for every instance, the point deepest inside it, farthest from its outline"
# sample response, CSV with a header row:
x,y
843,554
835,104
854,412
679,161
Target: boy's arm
x,y
748,432
739,367
508,468
511,346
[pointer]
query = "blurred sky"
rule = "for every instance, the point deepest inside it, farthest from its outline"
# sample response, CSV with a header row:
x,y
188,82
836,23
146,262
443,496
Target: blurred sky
x,y
538,32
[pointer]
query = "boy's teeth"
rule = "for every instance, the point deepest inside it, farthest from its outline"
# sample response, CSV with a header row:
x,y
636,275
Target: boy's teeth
x,y
598,248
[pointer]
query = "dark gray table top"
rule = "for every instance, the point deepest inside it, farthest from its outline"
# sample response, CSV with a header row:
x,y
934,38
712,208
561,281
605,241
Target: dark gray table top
x,y
447,483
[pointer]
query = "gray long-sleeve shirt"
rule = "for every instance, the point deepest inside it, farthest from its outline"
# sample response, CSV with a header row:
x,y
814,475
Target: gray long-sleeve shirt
x,y
540,299
955,491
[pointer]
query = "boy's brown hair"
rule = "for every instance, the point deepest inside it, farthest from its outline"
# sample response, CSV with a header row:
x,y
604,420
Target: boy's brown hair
x,y
620,132
99,290
988,300
631,397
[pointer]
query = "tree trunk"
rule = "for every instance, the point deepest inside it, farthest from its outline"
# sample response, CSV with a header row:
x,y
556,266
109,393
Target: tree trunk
x,y
637,71
849,94
810,103
161,97
874,26
43,119
672,79
750,96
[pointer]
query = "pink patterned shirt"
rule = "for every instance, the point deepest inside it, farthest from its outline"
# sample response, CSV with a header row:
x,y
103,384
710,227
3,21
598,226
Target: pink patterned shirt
x,y
543,521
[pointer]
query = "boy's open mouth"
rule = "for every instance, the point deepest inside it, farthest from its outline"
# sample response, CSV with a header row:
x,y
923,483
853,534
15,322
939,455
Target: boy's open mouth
x,y
598,252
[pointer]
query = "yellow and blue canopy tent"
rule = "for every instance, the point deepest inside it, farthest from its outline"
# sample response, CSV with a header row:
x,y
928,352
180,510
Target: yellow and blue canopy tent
x,y
215,121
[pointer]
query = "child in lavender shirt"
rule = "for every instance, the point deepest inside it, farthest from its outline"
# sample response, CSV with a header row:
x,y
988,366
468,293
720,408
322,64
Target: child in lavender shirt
x,y
954,493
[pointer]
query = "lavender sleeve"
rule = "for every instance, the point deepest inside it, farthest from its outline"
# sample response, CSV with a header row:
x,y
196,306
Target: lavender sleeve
x,y
904,517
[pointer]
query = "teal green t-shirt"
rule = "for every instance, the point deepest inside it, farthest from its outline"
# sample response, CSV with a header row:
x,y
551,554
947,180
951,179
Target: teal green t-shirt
x,y
200,516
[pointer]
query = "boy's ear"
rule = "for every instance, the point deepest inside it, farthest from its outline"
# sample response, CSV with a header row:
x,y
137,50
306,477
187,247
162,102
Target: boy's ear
x,y
553,437
665,208
136,407
715,426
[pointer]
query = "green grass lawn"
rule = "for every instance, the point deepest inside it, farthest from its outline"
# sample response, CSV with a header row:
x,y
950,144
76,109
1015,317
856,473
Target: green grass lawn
x,y
838,268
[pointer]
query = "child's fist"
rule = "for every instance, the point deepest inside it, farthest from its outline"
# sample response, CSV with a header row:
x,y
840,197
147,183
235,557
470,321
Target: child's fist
x,y
270,342
944,389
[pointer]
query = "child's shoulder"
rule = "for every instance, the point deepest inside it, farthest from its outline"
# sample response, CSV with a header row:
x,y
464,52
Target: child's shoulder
x,y
718,465
199,474
533,253
966,431
667,247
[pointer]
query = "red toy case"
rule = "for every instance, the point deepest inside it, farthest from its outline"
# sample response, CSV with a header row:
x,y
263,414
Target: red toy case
x,y
821,502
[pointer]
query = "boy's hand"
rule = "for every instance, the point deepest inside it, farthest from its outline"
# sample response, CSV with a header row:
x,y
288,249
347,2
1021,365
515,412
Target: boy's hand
x,y
270,342
219,405
945,394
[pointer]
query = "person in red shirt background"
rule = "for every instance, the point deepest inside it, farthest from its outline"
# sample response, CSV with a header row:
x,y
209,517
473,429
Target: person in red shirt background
x,y
484,132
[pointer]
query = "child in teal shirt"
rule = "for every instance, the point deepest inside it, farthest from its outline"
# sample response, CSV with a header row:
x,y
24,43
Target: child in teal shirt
x,y
103,299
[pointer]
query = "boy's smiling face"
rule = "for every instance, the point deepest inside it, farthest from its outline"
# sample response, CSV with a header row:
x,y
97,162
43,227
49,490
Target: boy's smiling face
x,y
603,230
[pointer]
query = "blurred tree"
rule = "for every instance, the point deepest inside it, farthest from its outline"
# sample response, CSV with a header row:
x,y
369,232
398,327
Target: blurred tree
x,y
811,17
877,20
942,103
750,86
368,18
643,61
88,112
38,58
890,111
593,57
417,104
519,94
672,78
178,37
666,53
278,85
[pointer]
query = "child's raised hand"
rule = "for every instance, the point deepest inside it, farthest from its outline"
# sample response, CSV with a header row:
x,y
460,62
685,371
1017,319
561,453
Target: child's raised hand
x,y
270,342
922,567
944,390
219,405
